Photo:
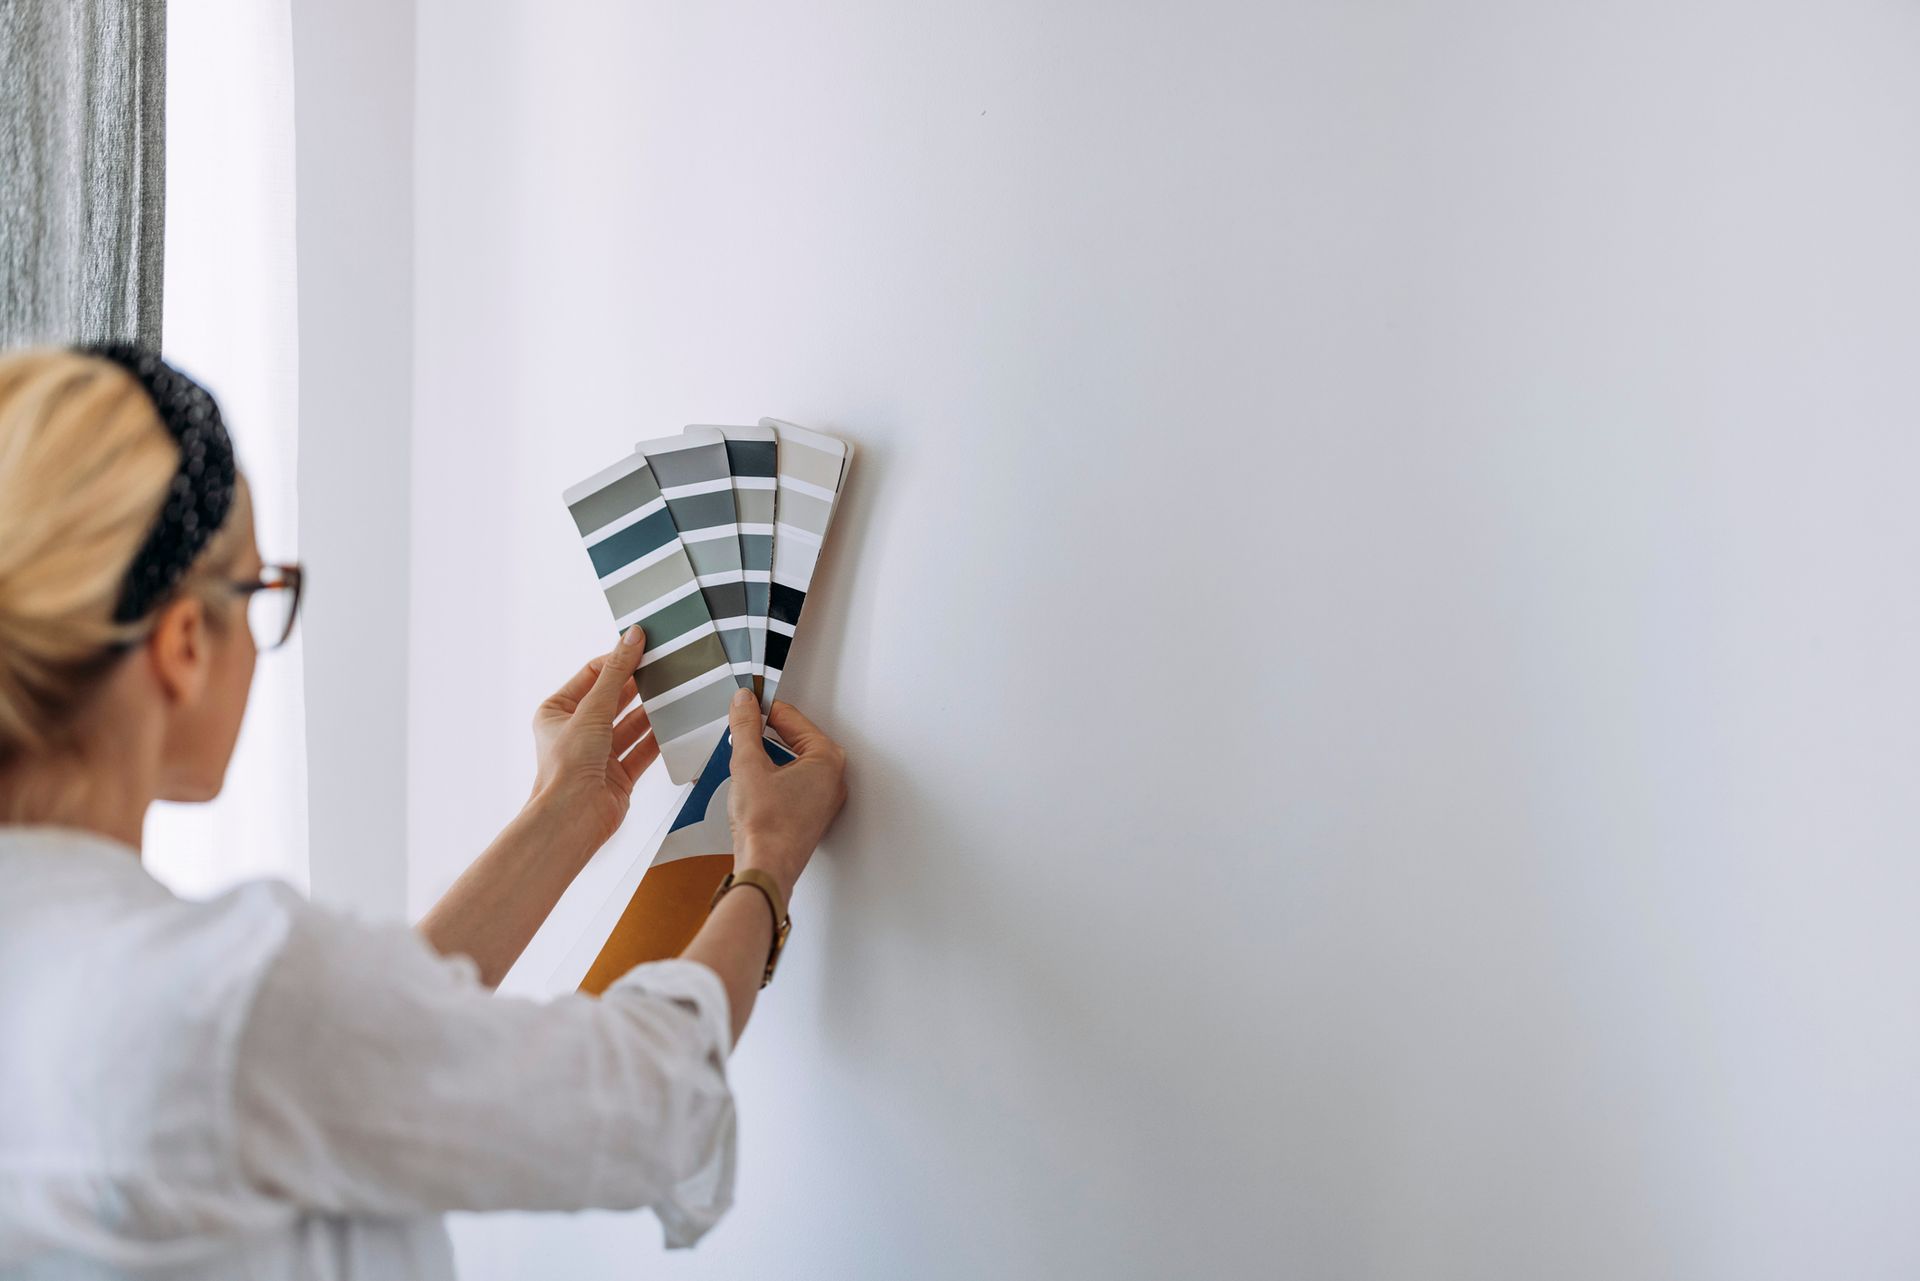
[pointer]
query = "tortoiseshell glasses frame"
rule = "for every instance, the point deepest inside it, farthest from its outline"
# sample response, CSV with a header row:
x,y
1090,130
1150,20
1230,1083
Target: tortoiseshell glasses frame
x,y
273,604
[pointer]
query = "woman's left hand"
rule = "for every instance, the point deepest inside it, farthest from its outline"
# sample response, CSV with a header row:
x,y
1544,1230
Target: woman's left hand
x,y
587,756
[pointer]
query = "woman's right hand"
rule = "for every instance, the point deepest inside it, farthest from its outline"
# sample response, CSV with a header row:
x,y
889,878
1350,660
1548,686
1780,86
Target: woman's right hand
x,y
779,812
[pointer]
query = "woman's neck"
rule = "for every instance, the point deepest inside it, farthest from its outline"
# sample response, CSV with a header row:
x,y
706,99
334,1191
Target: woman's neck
x,y
67,793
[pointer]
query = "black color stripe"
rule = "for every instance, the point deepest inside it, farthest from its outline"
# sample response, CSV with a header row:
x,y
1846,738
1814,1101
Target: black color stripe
x,y
778,644
784,602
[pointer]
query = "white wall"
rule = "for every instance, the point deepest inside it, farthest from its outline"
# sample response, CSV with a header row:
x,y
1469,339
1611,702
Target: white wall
x,y
353,83
1373,621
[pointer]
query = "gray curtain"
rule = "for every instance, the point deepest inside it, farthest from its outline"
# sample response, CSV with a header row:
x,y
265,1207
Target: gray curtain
x,y
82,169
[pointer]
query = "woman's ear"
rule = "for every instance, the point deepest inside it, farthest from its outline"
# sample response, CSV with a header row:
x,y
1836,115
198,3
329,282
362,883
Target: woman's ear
x,y
180,651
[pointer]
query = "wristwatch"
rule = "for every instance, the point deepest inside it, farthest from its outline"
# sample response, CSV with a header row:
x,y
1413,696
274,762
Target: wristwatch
x,y
782,922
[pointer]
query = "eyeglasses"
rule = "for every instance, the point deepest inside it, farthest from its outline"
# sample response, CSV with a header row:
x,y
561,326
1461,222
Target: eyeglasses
x,y
273,602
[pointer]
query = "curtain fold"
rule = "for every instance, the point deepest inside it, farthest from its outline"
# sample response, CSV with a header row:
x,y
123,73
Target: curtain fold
x,y
82,169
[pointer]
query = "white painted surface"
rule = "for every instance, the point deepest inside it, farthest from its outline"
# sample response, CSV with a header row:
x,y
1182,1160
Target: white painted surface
x,y
1374,623
353,64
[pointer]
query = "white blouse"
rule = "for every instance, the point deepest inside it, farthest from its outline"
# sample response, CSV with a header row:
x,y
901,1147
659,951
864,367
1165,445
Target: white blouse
x,y
253,1087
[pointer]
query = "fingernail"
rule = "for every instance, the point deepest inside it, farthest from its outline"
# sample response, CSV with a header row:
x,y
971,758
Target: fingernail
x,y
631,636
742,696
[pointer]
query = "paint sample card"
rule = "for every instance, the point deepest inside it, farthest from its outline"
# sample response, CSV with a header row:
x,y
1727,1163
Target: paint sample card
x,y
686,678
701,825
811,469
671,899
751,457
709,540
695,478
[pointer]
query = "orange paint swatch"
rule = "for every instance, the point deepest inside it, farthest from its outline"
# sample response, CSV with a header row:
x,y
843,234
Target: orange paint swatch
x,y
666,911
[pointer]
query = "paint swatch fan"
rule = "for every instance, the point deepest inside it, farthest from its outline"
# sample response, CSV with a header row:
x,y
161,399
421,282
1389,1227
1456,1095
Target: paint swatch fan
x,y
708,540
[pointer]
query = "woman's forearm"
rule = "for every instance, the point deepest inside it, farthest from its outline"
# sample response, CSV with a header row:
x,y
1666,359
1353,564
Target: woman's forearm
x,y
733,943
493,910
778,814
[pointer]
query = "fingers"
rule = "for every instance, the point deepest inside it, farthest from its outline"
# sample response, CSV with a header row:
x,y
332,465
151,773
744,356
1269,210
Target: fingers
x,y
630,729
568,696
636,761
628,692
802,735
604,699
743,718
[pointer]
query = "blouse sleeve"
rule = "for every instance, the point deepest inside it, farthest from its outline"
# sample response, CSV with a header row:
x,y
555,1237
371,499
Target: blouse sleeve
x,y
376,1077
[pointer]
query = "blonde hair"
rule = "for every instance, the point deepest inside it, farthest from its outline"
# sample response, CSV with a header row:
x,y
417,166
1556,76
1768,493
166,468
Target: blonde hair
x,y
84,469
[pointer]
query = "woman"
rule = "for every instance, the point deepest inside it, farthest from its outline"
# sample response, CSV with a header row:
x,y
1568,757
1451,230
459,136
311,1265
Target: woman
x,y
251,1086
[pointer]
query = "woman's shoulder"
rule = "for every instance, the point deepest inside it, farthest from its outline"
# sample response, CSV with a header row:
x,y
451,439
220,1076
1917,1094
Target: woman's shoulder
x,y
83,914
124,1004
101,966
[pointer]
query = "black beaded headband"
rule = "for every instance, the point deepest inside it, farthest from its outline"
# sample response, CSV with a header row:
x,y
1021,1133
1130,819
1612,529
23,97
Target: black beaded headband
x,y
201,493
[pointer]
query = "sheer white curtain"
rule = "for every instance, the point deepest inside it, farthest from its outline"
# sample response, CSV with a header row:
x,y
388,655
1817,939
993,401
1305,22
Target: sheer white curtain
x,y
230,321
